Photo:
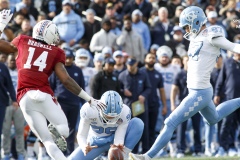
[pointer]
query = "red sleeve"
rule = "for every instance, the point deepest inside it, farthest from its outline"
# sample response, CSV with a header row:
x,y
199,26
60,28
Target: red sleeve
x,y
16,40
61,57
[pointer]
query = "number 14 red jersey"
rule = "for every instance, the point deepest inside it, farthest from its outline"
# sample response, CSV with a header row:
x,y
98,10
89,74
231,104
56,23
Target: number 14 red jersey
x,y
35,63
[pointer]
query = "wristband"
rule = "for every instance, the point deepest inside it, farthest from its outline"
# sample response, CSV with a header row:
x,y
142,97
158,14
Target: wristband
x,y
84,95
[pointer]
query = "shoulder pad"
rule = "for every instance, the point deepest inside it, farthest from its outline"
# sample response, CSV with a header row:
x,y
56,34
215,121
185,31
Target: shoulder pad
x,y
213,32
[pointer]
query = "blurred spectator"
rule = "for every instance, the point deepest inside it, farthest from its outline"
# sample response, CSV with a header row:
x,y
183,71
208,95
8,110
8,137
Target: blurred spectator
x,y
131,41
144,6
153,17
15,25
83,4
156,81
230,4
178,44
171,7
114,28
229,14
26,28
176,16
154,48
110,11
22,7
51,8
14,117
31,9
12,4
98,62
136,87
141,28
177,61
233,30
7,91
105,80
4,4
68,101
160,32
91,25
107,52
98,6
82,60
41,16
213,19
119,67
70,25
78,6
3,57
229,78
187,3
103,38
210,8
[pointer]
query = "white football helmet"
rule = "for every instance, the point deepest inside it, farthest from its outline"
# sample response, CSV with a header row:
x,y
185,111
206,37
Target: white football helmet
x,y
46,31
82,53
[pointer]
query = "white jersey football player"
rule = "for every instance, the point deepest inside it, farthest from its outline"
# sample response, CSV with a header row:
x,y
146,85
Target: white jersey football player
x,y
98,130
205,44
82,59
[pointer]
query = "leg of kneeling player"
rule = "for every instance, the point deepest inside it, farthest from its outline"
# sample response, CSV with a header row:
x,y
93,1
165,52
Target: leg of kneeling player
x,y
133,135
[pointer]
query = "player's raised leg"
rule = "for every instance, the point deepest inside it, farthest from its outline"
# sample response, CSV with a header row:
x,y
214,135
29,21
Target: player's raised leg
x,y
31,109
214,114
195,101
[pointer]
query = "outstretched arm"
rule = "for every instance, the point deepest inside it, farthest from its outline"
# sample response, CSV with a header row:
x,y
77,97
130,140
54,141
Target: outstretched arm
x,y
73,87
224,43
7,47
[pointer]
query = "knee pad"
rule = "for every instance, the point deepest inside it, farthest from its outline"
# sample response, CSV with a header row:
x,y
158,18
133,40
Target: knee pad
x,y
63,130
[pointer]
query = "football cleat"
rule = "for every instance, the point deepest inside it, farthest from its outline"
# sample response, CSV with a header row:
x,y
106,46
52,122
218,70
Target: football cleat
x,y
138,157
57,138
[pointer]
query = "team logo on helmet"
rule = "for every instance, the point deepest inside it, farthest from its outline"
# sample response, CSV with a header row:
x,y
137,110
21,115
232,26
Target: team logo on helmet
x,y
191,16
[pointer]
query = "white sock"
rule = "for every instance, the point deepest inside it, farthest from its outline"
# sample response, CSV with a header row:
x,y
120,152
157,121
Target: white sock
x,y
30,151
147,157
126,152
42,151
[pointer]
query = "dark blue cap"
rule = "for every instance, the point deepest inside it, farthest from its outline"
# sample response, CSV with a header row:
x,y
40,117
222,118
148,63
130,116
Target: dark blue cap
x,y
68,52
110,61
131,61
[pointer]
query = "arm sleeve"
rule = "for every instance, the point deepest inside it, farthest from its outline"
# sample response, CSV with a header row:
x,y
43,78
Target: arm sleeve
x,y
223,43
121,40
83,129
120,134
147,87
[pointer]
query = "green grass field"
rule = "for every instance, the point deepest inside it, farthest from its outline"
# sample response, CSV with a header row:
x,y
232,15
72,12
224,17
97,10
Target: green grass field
x,y
199,158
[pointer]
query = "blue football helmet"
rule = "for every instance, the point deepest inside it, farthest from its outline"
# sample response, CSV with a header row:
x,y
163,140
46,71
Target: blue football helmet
x,y
194,17
114,105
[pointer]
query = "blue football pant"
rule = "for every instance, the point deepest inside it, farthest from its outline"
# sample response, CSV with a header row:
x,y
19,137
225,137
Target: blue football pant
x,y
133,135
198,100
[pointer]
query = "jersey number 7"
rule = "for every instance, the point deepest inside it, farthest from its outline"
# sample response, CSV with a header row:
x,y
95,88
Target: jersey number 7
x,y
40,61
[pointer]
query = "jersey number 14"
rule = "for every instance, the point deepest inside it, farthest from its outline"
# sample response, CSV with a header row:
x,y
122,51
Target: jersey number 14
x,y
40,61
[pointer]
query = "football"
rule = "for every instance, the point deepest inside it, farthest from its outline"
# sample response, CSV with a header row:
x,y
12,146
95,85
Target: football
x,y
115,153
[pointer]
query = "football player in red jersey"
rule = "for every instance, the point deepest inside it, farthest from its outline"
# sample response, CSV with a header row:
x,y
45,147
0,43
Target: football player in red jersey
x,y
37,57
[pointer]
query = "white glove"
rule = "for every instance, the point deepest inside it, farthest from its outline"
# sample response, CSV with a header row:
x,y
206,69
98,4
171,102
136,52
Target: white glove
x,y
98,104
5,17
